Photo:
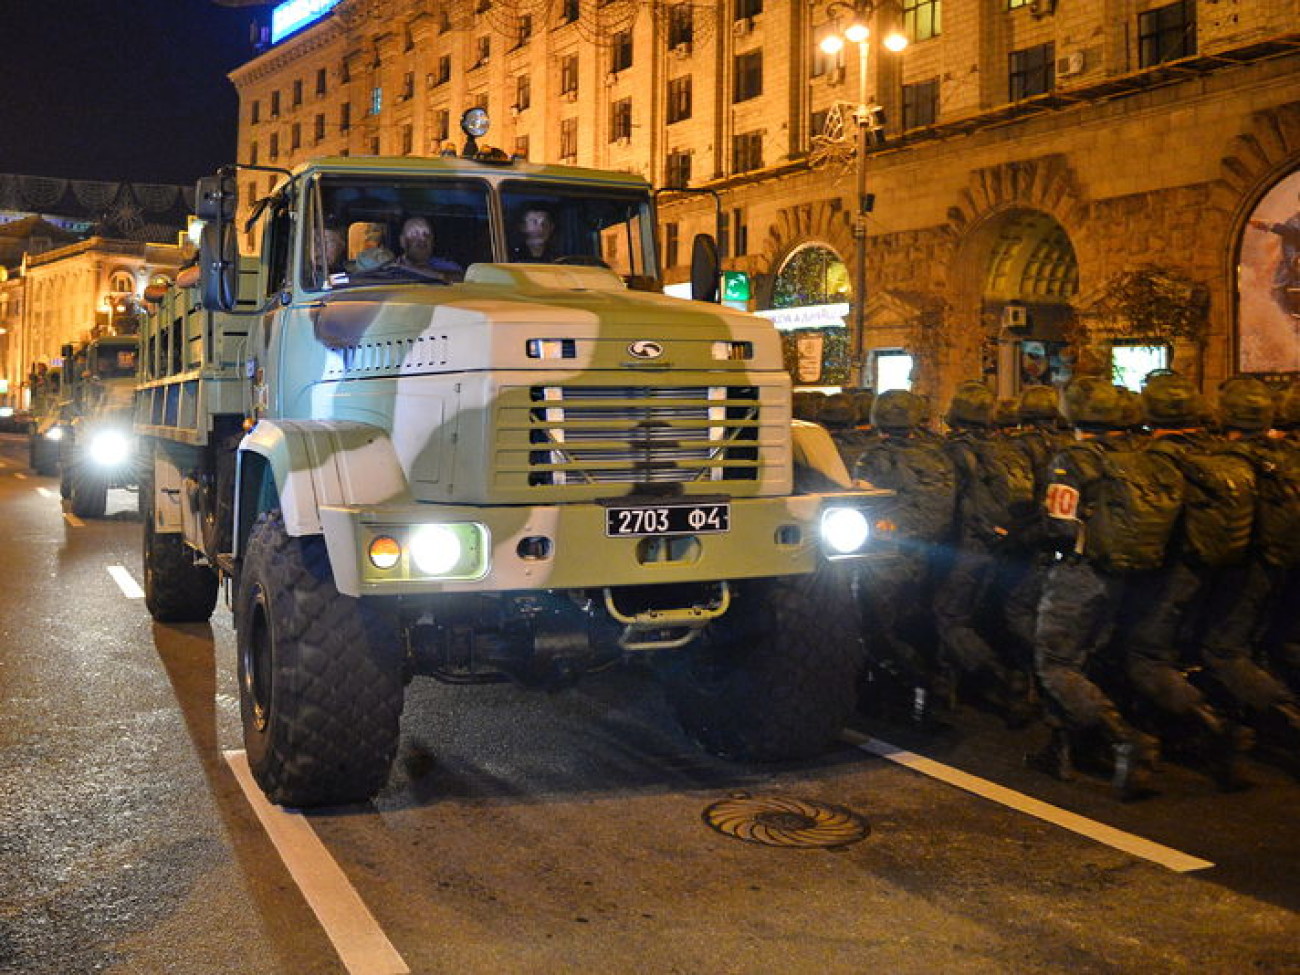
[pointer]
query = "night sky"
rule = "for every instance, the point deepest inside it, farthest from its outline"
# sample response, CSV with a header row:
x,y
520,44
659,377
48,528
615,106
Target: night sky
x,y
120,90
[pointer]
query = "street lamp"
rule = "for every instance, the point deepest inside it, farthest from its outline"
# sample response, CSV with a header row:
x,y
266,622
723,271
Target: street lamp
x,y
870,118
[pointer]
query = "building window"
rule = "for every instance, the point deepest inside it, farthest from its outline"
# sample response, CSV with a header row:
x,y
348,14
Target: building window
x,y
1033,71
521,146
408,139
320,128
295,136
681,25
297,92
255,112
569,75
1167,33
441,127
345,116
443,74
746,151
525,30
672,244
1013,4
275,104
569,138
320,81
823,63
620,51
620,120
345,73
376,100
921,19
523,92
408,86
920,104
274,150
749,76
252,154
374,146
483,51
677,170
679,98
817,122
482,6
739,234
569,11
748,8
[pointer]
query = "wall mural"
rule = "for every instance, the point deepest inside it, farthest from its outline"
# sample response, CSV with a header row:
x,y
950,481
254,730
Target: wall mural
x,y
1268,283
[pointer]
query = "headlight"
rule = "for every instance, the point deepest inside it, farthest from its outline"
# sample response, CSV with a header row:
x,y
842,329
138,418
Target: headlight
x,y
435,549
54,433
108,448
845,530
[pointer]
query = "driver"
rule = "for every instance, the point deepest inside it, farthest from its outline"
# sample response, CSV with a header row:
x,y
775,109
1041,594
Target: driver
x,y
536,232
417,249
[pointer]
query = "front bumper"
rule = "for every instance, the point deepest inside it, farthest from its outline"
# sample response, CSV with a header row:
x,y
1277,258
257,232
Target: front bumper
x,y
566,547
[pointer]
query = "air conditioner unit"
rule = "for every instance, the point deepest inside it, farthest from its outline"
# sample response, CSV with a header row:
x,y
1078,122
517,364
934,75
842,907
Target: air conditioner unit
x,y
1015,316
682,50
742,26
611,78
1070,65
514,110
571,95
1042,8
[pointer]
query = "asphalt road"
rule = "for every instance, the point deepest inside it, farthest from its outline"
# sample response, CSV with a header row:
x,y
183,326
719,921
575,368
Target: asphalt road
x,y
565,832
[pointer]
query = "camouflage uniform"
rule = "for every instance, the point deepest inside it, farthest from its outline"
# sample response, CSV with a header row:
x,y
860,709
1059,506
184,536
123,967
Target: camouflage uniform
x,y
839,415
1281,632
1082,601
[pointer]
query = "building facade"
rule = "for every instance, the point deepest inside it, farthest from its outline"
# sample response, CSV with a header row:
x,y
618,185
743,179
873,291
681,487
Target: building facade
x,y
1112,181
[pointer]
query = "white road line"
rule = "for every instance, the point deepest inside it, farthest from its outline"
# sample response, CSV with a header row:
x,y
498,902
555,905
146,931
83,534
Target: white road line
x,y
47,492
73,520
20,476
130,588
1127,842
362,945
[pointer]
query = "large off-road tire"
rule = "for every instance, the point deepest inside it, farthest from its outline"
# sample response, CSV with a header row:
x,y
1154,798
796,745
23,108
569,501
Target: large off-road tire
x,y
44,456
320,675
89,493
175,589
776,678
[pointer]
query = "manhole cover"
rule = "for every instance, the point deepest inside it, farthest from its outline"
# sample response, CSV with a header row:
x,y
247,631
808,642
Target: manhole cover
x,y
784,821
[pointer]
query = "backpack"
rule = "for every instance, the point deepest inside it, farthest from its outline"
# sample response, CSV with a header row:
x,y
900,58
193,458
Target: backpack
x,y
1039,447
923,478
1218,501
1132,508
997,502
1277,502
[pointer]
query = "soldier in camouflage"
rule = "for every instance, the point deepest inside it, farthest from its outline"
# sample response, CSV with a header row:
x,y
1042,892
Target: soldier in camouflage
x,y
1281,635
1084,592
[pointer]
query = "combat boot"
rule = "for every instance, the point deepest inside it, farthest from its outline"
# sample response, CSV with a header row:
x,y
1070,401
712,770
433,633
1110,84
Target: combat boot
x,y
1220,744
1056,758
1135,755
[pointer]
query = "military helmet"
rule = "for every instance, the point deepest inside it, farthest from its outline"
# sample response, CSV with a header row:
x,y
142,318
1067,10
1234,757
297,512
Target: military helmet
x,y
1171,398
807,404
1133,411
1245,404
1288,407
897,411
838,411
863,400
1007,413
1093,401
972,405
1039,403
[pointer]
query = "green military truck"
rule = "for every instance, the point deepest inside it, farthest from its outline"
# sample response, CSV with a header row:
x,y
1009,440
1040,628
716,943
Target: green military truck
x,y
85,433
459,466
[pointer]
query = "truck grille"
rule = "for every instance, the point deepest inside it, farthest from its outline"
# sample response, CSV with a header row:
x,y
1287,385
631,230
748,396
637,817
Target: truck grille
x,y
637,435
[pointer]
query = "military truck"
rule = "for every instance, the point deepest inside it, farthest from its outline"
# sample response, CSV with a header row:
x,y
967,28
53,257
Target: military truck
x,y
85,433
481,470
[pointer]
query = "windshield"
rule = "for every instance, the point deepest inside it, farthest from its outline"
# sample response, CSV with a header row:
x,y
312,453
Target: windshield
x,y
362,232
115,361
579,224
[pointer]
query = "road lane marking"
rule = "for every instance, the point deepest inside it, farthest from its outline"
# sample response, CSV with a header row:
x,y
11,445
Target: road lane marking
x,y
20,476
47,492
360,942
130,588
73,520
1136,846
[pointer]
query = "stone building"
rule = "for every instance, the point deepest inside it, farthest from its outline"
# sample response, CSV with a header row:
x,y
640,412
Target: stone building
x,y
1107,179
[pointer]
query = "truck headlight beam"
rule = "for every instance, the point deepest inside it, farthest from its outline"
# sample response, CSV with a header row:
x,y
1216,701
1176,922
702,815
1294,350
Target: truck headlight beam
x,y
109,448
845,530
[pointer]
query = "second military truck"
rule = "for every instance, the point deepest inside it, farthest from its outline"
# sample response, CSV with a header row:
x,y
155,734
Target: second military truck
x,y
457,465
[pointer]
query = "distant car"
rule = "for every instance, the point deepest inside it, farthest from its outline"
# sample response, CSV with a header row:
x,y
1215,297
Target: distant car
x,y
15,421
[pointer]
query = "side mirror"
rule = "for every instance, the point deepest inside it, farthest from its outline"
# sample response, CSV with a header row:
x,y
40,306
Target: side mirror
x,y
216,198
706,268
219,266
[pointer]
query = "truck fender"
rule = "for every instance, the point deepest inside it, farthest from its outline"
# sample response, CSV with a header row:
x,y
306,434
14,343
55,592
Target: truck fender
x,y
315,463
817,462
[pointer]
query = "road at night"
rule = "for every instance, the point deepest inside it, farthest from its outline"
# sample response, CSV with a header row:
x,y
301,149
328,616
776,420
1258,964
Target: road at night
x,y
564,832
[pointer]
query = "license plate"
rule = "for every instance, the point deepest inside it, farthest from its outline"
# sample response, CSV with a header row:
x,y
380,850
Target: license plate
x,y
668,519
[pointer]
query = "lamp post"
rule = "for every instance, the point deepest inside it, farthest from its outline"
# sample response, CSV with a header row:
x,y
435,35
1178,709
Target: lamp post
x,y
870,119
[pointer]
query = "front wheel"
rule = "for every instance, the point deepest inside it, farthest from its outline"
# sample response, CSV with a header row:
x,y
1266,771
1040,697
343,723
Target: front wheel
x,y
776,678
320,675
88,493
176,590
